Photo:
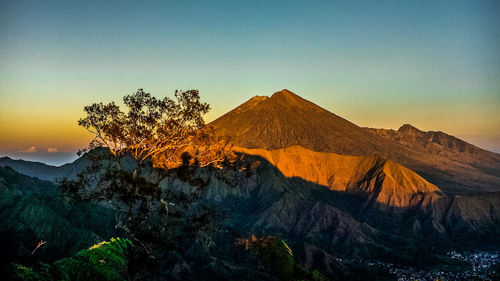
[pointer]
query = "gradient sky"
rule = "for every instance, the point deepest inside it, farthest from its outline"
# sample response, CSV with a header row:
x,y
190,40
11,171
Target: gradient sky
x,y
434,64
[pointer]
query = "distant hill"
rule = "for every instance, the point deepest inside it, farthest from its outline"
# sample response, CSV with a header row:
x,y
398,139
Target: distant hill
x,y
285,119
34,169
52,173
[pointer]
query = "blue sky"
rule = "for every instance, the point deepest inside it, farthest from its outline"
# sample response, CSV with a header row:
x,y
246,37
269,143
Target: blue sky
x,y
434,64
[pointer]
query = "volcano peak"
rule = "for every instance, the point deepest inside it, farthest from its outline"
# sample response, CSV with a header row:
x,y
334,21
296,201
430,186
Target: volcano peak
x,y
286,119
283,93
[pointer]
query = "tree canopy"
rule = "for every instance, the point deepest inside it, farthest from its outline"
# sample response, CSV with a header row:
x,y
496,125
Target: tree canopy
x,y
160,129
168,133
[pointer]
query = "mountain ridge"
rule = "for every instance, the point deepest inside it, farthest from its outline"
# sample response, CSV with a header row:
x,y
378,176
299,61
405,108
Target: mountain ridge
x,y
54,173
375,178
285,119
259,196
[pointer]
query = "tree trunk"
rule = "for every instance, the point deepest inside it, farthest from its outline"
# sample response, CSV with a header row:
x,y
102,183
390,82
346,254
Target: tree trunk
x,y
137,171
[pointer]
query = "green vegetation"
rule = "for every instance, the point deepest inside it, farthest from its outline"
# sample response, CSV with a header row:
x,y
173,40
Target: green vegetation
x,y
278,254
274,254
32,210
103,261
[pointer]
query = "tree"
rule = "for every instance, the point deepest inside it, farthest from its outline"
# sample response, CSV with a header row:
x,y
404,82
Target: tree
x,y
160,130
171,136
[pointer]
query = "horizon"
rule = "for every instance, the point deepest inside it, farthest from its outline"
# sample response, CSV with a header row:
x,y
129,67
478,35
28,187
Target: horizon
x,y
430,64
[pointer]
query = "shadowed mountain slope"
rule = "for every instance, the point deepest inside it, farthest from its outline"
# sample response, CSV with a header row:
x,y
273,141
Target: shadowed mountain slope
x,y
271,193
32,210
285,119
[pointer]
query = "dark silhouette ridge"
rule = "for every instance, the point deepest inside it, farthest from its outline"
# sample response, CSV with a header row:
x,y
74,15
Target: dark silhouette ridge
x,y
285,119
31,168
53,173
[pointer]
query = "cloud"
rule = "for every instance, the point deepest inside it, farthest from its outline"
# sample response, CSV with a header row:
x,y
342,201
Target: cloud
x,y
30,149
52,150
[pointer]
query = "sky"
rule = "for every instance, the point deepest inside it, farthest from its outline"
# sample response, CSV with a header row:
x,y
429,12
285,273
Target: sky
x,y
433,64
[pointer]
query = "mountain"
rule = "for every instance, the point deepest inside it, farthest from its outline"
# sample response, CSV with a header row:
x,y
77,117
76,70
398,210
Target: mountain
x,y
331,209
32,210
339,195
327,205
285,120
34,169
433,142
381,180
444,156
69,170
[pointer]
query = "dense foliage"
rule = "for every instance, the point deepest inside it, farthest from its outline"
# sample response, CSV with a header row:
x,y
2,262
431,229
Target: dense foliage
x,y
274,253
103,261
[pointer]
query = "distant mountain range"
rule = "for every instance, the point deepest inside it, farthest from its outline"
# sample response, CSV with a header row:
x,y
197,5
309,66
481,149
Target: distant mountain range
x,y
53,173
285,120
35,169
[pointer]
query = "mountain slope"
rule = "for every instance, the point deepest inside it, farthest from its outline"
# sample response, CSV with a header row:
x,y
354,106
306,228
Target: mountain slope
x,y
285,119
444,157
289,193
444,145
269,193
32,210
377,179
